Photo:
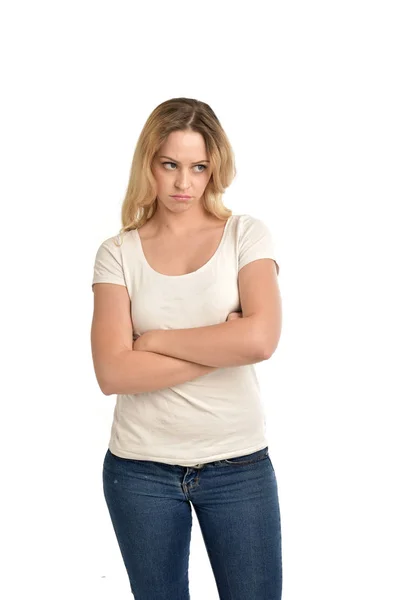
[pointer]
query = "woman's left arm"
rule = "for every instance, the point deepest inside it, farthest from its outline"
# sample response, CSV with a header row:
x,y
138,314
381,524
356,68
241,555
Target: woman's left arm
x,y
229,344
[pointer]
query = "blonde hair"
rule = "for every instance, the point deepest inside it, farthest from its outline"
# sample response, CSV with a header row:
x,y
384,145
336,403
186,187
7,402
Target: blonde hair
x,y
182,114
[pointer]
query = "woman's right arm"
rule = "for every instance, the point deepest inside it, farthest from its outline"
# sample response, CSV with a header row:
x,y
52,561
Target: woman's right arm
x,y
134,372
120,369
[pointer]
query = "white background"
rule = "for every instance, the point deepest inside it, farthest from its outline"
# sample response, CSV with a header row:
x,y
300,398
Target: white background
x,y
308,93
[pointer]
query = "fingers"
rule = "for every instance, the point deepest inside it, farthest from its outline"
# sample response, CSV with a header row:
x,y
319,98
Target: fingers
x,y
234,315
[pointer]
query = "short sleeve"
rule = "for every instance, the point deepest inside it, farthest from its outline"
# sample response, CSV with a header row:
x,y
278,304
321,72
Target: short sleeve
x,y
108,266
255,241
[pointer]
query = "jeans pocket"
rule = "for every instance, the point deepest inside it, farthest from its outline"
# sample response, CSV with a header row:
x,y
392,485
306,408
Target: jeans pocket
x,y
247,459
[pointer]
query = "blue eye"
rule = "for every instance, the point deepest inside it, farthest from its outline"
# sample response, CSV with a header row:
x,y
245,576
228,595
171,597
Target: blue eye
x,y
204,167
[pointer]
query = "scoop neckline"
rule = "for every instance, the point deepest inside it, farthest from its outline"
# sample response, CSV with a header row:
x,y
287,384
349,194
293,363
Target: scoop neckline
x,y
184,275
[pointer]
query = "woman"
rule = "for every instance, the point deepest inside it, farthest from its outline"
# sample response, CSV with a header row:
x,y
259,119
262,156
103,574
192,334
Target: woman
x,y
186,300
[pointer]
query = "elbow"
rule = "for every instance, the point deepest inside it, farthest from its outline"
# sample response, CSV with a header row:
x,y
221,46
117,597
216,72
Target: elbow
x,y
107,391
262,355
259,353
104,383
106,376
113,379
265,350
259,347
105,387
108,383
101,371
266,345
266,335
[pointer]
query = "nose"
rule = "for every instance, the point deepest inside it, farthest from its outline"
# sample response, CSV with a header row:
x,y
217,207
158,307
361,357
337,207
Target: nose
x,y
182,181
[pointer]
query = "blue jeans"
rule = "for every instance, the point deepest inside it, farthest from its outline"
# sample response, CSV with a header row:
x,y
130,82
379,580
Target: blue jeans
x,y
237,507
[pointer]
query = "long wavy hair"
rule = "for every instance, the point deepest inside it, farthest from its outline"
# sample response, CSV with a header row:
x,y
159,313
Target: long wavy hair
x,y
177,114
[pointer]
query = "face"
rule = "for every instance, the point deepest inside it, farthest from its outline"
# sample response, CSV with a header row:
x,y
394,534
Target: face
x,y
181,166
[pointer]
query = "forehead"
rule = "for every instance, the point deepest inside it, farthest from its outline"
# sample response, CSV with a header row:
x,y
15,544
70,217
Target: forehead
x,y
184,145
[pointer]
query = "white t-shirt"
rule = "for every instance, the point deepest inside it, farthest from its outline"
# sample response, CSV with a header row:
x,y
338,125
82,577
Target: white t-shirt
x,y
215,416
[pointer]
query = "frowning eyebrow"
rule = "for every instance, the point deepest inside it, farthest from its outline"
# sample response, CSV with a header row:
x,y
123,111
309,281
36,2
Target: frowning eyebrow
x,y
178,163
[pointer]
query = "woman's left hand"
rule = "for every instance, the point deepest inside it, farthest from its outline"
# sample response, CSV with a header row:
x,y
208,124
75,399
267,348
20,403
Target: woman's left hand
x,y
142,343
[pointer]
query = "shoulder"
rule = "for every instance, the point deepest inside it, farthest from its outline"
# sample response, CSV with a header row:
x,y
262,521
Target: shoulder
x,y
247,219
109,261
255,240
114,244
250,226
